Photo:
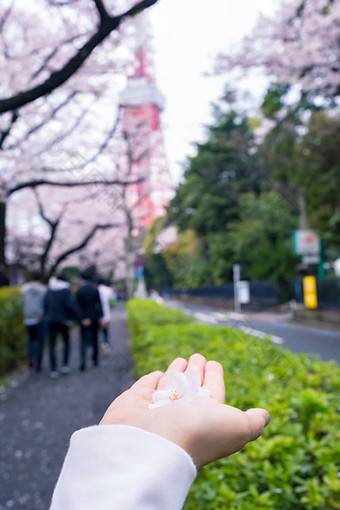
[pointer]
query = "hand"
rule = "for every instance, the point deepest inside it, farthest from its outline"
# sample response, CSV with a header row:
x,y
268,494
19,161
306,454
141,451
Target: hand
x,y
86,322
206,429
103,323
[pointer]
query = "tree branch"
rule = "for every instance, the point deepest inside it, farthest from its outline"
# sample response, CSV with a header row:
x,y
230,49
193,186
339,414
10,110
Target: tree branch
x,y
6,15
4,134
105,143
53,225
53,53
81,245
58,78
103,14
42,212
69,184
43,122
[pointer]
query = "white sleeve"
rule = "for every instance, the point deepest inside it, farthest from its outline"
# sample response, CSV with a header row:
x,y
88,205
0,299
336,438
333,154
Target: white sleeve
x,y
117,467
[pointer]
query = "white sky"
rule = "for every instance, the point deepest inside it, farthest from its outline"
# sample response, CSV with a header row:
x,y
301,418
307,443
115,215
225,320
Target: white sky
x,y
187,35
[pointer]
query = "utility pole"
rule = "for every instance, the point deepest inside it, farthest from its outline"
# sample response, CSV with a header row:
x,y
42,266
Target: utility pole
x,y
236,279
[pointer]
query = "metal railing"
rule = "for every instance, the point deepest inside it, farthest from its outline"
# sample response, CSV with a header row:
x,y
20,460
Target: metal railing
x,y
266,293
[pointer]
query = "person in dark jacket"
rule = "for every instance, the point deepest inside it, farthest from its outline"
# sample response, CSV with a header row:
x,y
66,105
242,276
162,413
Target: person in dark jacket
x,y
60,311
90,309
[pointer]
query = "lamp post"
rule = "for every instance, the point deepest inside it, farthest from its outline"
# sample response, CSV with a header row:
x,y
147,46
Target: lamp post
x,y
236,279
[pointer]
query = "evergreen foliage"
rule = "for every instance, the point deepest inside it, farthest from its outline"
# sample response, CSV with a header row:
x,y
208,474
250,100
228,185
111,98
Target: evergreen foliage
x,y
295,464
13,341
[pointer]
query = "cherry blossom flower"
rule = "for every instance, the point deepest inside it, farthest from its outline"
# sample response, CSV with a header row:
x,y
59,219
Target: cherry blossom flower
x,y
180,386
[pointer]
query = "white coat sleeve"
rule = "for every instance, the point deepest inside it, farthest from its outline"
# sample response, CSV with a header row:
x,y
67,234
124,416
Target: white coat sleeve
x,y
118,467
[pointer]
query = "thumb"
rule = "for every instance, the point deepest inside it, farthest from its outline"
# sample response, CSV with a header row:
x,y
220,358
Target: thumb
x,y
258,419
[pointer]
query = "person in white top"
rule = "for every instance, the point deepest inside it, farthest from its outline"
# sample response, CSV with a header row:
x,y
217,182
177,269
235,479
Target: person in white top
x,y
144,454
106,296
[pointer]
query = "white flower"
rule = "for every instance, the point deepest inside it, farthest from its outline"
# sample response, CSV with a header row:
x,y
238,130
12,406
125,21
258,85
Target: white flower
x,y
180,386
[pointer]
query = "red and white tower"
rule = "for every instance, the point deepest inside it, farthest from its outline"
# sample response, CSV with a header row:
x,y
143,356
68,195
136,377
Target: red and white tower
x,y
141,103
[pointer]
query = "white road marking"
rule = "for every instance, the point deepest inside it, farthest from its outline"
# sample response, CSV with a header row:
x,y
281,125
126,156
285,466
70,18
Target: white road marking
x,y
224,316
204,317
260,334
215,317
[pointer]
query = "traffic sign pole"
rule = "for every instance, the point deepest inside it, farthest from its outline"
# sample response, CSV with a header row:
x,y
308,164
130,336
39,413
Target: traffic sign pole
x,y
236,279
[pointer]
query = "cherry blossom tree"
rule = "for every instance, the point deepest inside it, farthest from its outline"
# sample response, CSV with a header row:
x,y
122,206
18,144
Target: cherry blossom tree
x,y
63,63
299,47
60,226
79,24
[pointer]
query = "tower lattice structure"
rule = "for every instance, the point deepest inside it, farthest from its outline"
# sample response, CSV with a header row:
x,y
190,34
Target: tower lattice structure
x,y
142,103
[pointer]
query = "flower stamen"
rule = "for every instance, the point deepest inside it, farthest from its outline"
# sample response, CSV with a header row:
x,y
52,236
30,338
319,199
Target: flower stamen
x,y
173,395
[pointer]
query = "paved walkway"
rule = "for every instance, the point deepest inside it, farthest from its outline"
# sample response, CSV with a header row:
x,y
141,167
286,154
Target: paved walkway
x,y
38,415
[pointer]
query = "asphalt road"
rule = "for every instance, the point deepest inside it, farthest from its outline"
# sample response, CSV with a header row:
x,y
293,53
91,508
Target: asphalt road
x,y
323,341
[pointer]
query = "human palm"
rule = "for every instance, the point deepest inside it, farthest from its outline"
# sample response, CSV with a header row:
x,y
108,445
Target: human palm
x,y
207,429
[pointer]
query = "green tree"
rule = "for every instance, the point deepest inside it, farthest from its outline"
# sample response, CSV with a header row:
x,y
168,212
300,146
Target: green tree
x,y
318,164
185,260
303,162
157,274
224,166
261,240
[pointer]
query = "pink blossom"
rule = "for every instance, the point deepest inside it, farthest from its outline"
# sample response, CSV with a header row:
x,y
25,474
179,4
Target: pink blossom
x,y
180,386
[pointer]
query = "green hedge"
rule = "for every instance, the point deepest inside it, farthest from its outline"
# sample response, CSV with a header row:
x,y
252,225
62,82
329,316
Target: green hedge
x,y
13,341
295,464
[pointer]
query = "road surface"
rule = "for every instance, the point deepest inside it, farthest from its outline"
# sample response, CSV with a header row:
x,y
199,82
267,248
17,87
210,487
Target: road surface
x,y
324,342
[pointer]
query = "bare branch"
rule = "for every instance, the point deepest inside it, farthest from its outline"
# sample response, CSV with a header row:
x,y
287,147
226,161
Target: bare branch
x,y
69,184
53,53
6,15
103,14
41,209
65,134
4,134
43,122
53,232
105,142
82,244
58,78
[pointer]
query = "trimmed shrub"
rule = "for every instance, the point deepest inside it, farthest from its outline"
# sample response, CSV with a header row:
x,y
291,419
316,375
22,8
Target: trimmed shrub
x,y
295,464
13,340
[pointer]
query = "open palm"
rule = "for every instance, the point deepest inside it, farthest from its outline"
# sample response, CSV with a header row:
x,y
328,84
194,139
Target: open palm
x,y
207,429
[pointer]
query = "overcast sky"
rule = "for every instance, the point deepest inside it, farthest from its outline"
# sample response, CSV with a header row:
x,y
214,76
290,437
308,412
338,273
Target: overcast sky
x,y
187,34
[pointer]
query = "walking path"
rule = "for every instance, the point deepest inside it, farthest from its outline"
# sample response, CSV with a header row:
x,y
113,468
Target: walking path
x,y
39,415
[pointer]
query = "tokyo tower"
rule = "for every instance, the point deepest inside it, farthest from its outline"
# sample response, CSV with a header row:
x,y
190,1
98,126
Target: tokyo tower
x,y
142,103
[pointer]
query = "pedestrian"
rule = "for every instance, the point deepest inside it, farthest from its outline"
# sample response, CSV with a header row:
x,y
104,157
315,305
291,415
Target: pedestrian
x,y
106,297
145,457
60,311
90,310
33,295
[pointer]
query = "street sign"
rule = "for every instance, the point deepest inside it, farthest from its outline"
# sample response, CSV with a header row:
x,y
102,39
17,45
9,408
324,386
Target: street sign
x,y
310,259
337,266
243,291
306,242
140,272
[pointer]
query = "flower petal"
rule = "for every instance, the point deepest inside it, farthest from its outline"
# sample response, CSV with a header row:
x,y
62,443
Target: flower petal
x,y
180,386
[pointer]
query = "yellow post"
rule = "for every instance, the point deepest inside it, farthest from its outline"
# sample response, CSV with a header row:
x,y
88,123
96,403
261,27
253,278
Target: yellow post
x,y
309,292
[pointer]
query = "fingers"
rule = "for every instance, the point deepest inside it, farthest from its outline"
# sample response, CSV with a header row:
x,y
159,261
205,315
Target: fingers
x,y
198,363
258,419
211,374
214,381
177,365
147,382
